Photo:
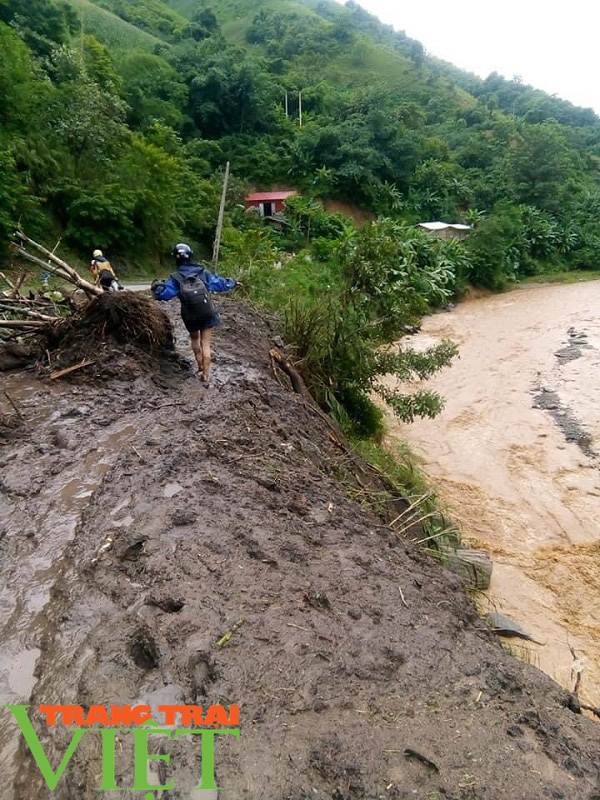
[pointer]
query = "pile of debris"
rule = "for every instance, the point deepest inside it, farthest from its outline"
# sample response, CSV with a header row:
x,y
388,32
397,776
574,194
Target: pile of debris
x,y
25,313
107,333
65,332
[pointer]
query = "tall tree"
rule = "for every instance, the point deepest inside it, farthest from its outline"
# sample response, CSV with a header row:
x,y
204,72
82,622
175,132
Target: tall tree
x,y
539,165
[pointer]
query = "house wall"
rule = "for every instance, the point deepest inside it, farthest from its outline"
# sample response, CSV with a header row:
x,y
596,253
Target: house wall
x,y
277,206
449,233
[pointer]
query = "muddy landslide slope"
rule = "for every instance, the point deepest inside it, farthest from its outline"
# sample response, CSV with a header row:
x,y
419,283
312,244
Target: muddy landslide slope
x,y
143,517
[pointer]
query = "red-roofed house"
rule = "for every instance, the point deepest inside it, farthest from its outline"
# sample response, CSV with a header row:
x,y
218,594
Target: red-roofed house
x,y
268,203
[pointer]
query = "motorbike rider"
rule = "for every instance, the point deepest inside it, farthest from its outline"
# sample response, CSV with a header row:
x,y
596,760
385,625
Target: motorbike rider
x,y
104,274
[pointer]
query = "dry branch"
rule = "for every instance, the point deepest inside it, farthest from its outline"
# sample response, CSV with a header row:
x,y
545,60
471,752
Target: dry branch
x,y
85,363
42,264
32,314
19,283
58,266
298,384
14,405
23,301
71,276
10,284
29,312
23,323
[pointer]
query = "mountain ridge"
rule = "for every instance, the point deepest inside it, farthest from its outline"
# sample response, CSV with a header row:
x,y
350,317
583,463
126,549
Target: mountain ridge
x,y
235,16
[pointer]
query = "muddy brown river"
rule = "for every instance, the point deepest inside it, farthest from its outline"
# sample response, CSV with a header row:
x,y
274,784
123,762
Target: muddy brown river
x,y
515,457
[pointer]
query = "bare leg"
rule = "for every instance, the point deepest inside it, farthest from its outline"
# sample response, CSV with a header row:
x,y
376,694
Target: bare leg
x,y
197,349
205,337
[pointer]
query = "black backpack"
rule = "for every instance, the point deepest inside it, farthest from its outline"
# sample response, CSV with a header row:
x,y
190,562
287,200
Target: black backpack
x,y
196,302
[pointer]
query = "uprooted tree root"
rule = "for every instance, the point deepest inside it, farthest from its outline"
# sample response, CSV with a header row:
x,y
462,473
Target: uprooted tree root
x,y
111,326
127,317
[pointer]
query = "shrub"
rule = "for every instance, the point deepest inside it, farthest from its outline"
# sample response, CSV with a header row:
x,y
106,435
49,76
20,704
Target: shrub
x,y
342,340
495,248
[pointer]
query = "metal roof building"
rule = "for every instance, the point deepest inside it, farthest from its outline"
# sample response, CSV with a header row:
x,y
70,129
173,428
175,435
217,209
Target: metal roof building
x,y
268,203
446,230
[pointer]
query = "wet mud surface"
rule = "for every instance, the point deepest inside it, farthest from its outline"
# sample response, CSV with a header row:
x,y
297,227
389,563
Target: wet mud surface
x,y
514,455
142,517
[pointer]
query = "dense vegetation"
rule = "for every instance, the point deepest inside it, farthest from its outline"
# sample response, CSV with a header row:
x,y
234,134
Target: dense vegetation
x,y
117,116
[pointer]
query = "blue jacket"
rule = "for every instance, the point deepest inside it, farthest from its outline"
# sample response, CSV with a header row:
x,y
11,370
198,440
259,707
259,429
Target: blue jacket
x,y
167,290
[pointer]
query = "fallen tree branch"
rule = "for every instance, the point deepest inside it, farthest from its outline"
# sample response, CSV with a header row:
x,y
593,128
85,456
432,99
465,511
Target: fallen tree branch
x,y
60,267
594,709
48,253
40,263
18,285
29,312
298,384
85,363
10,284
70,277
24,301
14,405
23,323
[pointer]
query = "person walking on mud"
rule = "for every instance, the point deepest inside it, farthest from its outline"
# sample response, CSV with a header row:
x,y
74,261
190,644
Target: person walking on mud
x,y
193,283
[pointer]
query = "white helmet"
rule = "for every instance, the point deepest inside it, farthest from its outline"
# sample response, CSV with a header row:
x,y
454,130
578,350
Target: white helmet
x,y
97,253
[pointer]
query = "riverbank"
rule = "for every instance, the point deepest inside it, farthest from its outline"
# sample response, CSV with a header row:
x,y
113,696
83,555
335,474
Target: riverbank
x,y
514,456
565,276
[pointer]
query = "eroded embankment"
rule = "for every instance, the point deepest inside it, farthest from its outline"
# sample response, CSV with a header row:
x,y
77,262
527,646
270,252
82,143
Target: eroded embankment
x,y
198,509
516,456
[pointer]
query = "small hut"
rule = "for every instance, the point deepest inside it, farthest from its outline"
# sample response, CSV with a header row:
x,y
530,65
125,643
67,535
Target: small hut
x,y
446,230
268,204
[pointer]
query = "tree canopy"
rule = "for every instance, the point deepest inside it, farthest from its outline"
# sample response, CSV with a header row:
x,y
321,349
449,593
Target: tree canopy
x,y
383,125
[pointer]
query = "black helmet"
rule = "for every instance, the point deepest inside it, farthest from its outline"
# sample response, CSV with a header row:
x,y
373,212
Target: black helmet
x,y
182,252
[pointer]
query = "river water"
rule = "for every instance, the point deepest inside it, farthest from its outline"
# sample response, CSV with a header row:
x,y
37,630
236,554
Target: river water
x,y
515,457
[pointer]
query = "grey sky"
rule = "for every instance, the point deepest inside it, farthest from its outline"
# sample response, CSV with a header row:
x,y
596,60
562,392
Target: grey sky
x,y
551,45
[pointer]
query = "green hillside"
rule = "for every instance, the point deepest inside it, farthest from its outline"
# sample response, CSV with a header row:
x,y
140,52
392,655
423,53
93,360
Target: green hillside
x,y
111,30
152,16
235,16
231,10
363,62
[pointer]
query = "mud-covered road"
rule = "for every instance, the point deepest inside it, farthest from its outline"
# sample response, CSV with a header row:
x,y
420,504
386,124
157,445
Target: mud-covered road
x,y
142,517
516,457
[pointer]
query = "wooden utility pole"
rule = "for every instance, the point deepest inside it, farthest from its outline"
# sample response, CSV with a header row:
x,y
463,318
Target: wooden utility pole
x,y
81,41
217,245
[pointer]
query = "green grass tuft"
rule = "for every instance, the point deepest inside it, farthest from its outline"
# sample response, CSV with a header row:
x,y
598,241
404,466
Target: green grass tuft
x,y
401,469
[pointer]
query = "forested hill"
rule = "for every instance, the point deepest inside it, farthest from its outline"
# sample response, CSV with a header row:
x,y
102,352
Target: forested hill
x,y
117,116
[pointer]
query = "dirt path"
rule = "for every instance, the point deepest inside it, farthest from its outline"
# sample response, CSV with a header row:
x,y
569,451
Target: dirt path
x,y
516,456
144,518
